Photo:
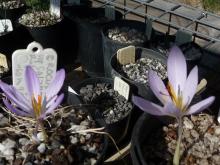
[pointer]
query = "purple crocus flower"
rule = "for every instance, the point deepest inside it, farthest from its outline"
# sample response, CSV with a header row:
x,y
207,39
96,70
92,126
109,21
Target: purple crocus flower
x,y
40,103
178,94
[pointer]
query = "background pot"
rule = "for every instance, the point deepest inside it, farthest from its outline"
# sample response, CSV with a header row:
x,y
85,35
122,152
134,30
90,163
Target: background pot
x,y
89,37
12,14
137,88
60,37
143,128
118,129
110,46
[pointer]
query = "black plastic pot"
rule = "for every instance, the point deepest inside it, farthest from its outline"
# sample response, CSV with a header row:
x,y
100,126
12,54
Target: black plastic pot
x,y
118,130
192,51
110,46
145,125
89,38
11,41
137,88
71,100
60,37
12,14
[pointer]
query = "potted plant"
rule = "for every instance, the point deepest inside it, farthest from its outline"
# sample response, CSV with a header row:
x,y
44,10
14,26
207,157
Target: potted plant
x,y
135,72
98,94
120,34
12,9
179,139
89,22
33,130
50,30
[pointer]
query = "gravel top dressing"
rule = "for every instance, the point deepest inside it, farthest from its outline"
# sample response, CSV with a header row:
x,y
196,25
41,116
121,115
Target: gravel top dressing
x,y
11,4
200,142
114,106
138,71
63,147
126,35
39,19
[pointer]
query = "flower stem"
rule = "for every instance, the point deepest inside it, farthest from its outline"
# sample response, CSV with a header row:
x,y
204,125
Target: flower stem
x,y
176,158
43,131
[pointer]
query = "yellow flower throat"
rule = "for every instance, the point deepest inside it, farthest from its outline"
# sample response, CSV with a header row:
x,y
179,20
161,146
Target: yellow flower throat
x,y
36,104
177,99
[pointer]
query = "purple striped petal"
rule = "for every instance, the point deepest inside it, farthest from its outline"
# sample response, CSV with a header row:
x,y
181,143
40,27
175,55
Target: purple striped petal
x,y
190,86
8,91
148,106
200,106
15,110
176,68
54,106
56,84
158,87
21,98
32,82
51,101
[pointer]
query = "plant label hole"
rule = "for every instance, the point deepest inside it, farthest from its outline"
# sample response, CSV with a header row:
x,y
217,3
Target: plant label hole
x,y
110,12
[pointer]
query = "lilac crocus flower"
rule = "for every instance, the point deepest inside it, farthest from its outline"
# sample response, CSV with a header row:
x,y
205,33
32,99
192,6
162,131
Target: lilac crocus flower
x,y
178,94
39,103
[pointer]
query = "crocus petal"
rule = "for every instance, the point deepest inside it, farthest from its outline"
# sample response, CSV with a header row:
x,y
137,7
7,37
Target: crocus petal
x,y
32,82
190,86
51,101
21,98
171,110
158,87
200,106
15,110
56,84
8,91
148,106
53,106
176,69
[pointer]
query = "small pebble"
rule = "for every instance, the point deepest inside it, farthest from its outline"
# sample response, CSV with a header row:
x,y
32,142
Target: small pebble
x,y
42,148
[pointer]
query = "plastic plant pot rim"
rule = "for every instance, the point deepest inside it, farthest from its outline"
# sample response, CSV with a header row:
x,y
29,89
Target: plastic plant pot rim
x,y
138,48
112,24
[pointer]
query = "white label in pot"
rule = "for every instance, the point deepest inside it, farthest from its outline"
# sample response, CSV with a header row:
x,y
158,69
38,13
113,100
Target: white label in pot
x,y
122,87
3,61
126,55
55,7
43,61
5,25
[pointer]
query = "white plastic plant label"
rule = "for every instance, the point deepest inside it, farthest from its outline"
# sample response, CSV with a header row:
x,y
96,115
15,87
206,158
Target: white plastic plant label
x,y
3,61
55,7
5,25
71,90
43,61
126,55
122,87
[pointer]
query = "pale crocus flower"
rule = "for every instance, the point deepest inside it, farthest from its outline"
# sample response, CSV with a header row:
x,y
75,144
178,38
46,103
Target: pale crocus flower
x,y
176,97
39,103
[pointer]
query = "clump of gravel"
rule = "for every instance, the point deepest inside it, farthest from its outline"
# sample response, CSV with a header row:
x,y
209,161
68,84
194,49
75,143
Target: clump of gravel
x,y
200,142
39,19
126,35
63,146
11,4
113,106
138,71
